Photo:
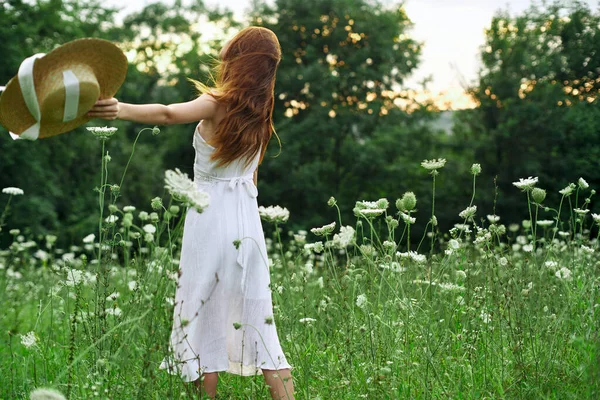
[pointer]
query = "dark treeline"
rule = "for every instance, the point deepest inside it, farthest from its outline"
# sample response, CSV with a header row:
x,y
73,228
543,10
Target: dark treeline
x,y
344,128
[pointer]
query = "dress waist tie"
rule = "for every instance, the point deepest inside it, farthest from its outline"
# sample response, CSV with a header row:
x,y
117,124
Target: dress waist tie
x,y
243,183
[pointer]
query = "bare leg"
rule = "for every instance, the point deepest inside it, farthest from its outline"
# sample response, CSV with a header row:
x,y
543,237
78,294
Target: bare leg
x,y
208,385
280,383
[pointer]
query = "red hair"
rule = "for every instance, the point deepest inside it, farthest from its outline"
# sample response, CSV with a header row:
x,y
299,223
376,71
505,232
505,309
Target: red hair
x,y
245,83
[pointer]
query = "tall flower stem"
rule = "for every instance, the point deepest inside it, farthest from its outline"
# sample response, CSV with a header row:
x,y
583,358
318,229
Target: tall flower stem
x,y
131,156
99,313
531,219
434,173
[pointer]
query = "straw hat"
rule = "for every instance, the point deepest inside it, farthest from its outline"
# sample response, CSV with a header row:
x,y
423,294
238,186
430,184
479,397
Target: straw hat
x,y
52,93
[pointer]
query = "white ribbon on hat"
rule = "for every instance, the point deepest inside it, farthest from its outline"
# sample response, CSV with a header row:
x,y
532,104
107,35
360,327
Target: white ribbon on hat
x,y
25,76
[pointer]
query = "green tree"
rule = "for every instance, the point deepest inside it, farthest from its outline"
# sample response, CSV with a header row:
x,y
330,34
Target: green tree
x,y
342,63
538,113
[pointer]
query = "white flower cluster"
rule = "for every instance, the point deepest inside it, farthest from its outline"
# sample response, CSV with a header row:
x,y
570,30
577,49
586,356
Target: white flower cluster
x,y
433,165
468,212
407,218
370,209
361,301
29,339
183,189
324,230
568,190
344,238
393,266
526,184
274,214
102,132
13,191
413,255
317,247
564,273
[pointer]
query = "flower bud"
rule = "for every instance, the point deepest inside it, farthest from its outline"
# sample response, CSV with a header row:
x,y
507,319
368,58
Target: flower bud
x,y
538,195
331,202
409,200
155,130
156,203
174,210
112,208
400,205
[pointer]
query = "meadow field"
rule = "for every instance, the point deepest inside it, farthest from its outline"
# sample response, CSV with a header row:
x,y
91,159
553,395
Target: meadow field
x,y
491,309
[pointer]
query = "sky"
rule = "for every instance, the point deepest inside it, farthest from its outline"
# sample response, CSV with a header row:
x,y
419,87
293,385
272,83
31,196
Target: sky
x,y
452,32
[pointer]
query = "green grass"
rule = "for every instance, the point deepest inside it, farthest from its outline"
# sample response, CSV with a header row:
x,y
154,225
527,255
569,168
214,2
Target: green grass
x,y
488,319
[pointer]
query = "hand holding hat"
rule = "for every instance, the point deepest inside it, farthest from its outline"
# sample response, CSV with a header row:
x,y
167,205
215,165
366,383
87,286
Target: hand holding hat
x,y
52,93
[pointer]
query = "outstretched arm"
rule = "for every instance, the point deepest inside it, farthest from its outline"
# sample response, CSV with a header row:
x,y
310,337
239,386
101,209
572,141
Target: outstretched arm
x,y
204,107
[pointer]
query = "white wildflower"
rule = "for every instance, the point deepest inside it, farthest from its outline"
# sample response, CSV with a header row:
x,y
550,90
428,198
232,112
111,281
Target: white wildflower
x,y
41,254
587,249
596,218
468,212
317,247
407,218
528,248
433,165
29,339
545,222
485,317
503,261
581,211
198,199
74,277
453,244
274,214
132,285
324,230
368,212
116,311
394,266
564,273
102,132
493,218
89,238
149,228
13,191
361,301
582,183
111,219
113,296
526,184
344,238
419,258
319,282
307,320
567,190
129,208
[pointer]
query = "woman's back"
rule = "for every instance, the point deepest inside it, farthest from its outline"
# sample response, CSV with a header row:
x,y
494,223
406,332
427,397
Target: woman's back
x,y
205,168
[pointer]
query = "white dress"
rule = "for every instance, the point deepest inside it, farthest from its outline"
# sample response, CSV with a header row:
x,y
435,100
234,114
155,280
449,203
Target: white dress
x,y
219,284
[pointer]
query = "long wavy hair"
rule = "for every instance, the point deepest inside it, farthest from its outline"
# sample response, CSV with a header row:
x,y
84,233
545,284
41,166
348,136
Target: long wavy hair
x,y
245,82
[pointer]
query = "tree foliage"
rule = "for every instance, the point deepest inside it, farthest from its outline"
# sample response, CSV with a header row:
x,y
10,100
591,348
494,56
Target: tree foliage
x,y
538,89
342,63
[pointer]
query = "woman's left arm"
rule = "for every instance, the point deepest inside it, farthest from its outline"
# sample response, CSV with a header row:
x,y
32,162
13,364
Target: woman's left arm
x,y
204,107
